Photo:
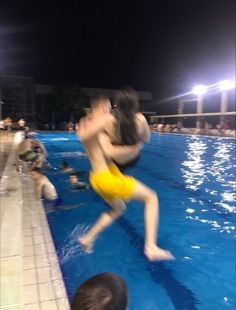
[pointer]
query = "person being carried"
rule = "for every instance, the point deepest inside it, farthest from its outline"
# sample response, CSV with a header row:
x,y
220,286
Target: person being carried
x,y
76,184
128,119
114,187
103,291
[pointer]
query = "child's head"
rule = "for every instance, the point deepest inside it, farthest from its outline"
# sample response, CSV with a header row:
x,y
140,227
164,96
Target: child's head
x,y
73,178
64,165
101,292
35,174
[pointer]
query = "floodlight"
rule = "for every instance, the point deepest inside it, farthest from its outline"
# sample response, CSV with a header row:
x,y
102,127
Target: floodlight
x,y
199,90
226,85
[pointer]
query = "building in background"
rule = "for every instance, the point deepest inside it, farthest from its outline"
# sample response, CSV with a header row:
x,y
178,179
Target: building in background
x,y
17,98
22,98
43,96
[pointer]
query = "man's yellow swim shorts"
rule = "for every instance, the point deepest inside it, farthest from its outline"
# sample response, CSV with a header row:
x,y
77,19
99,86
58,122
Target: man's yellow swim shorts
x,y
111,184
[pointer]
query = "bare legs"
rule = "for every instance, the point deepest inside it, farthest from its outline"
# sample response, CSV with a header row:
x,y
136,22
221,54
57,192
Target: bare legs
x,y
151,216
105,220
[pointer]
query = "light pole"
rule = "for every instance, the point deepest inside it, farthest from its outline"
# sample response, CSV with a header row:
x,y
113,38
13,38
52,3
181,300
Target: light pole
x,y
180,111
224,87
199,90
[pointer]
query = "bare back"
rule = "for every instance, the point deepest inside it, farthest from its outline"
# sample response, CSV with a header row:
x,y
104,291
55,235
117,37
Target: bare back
x,y
94,150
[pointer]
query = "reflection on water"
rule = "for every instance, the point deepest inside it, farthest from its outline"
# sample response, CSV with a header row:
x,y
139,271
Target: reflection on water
x,y
194,171
209,173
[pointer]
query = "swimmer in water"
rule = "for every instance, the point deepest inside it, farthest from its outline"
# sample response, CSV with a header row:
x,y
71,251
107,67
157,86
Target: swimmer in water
x,y
76,184
114,187
44,189
64,167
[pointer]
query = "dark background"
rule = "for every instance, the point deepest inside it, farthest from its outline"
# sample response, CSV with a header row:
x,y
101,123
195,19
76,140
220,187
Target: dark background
x,y
162,46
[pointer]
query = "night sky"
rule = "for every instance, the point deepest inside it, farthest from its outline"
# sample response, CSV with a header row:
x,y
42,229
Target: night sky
x,y
162,46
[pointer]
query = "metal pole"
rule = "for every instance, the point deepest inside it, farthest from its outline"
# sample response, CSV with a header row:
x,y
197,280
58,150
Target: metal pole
x,y
180,111
199,110
223,106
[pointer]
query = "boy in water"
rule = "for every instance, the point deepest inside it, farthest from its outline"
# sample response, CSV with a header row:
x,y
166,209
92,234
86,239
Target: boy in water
x,y
76,184
114,187
44,189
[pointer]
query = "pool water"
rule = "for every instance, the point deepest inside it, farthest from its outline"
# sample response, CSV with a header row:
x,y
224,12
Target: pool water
x,y
195,181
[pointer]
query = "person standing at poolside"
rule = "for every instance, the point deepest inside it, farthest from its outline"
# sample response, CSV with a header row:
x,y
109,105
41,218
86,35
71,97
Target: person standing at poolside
x,y
114,187
21,124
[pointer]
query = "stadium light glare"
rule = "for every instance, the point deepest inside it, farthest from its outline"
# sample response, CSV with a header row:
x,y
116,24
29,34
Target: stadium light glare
x,y
199,90
226,85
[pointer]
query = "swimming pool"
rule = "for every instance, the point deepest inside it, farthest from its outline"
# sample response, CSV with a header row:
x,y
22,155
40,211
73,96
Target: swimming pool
x,y
195,181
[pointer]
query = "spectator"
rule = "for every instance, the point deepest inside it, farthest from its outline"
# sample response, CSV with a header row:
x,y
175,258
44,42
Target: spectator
x,y
226,125
21,124
105,291
8,123
160,127
70,126
206,128
2,126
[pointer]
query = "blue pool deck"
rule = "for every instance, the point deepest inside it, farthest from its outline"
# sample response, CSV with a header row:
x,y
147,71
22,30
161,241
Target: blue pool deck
x,y
30,274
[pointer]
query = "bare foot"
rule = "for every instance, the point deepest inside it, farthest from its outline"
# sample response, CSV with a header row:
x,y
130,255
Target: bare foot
x,y
87,244
153,253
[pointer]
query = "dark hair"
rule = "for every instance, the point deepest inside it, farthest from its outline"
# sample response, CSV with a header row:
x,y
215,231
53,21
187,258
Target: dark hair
x,y
65,164
72,174
98,97
105,291
38,170
127,105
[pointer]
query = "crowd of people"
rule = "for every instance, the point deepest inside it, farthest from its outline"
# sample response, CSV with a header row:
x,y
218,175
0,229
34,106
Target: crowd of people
x,y
8,124
221,129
